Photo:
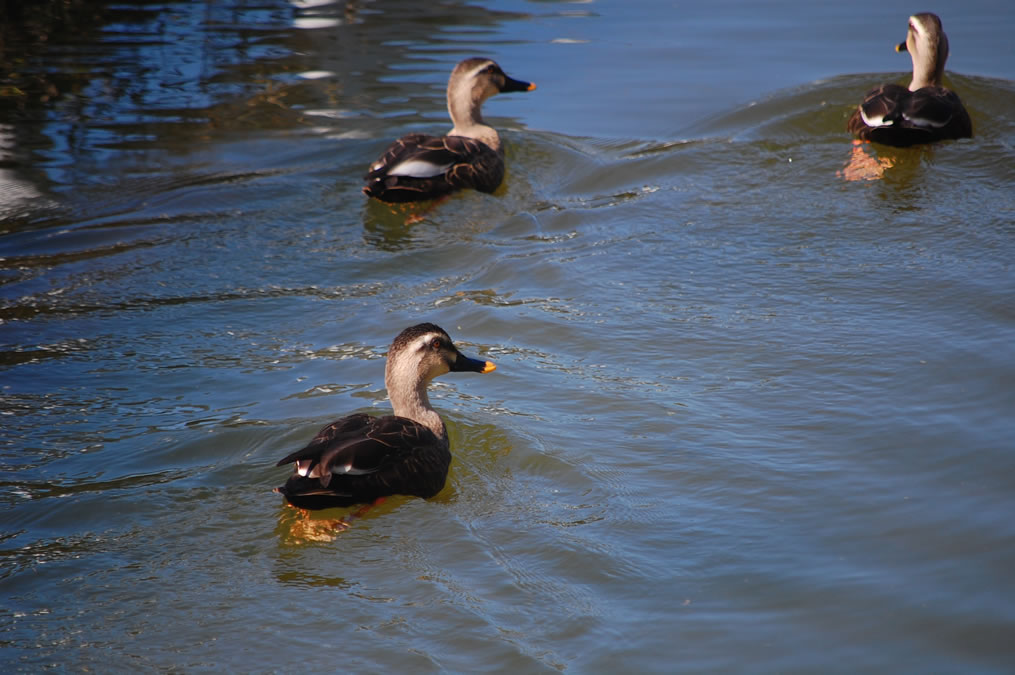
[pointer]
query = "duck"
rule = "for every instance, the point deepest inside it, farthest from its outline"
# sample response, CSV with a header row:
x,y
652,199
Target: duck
x,y
361,458
925,112
419,167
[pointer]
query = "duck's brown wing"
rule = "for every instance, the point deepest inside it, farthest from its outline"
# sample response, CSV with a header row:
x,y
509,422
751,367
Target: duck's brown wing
x,y
939,111
881,107
361,458
343,433
418,167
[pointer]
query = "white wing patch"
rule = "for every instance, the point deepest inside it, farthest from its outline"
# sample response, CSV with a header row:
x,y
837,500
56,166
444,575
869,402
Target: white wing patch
x,y
349,469
874,121
928,123
417,168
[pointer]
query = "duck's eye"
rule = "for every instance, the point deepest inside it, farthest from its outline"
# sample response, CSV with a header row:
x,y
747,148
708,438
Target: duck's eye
x,y
435,344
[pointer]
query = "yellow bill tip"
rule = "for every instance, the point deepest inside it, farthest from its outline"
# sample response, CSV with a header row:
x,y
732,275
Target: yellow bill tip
x,y
489,367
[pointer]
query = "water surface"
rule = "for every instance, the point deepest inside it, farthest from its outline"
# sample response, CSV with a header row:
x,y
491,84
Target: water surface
x,y
753,405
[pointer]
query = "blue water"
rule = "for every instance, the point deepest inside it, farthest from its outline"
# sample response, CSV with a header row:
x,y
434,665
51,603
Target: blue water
x,y
749,414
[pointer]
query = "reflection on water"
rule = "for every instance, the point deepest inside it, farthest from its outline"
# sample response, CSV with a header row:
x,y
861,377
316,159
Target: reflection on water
x,y
304,527
864,164
300,526
753,379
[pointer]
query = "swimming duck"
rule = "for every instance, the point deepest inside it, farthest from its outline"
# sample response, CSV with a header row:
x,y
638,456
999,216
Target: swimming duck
x,y
361,458
418,167
926,112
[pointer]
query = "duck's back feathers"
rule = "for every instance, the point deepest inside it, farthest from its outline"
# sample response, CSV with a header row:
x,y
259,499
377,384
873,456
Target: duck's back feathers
x,y
893,115
360,458
418,166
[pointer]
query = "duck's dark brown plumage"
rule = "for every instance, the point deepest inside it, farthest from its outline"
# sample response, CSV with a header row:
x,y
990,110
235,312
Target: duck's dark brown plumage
x,y
361,458
468,164
395,455
925,112
418,167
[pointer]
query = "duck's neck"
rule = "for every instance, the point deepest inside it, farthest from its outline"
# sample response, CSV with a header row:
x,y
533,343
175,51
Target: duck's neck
x,y
930,67
925,75
465,113
413,402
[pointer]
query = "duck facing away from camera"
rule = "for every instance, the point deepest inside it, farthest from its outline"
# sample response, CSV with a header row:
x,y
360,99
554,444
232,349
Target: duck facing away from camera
x,y
926,111
418,167
360,458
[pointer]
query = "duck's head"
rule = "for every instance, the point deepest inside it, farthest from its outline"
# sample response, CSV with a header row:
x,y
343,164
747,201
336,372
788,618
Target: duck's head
x,y
480,78
927,44
423,352
472,82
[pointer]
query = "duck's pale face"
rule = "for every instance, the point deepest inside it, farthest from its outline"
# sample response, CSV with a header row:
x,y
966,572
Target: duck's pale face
x,y
485,81
919,38
436,355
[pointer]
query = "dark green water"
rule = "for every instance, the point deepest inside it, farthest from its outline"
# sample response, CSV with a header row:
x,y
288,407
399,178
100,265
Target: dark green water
x,y
749,415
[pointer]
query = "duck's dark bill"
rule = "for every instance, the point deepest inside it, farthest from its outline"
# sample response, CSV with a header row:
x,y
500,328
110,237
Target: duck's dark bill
x,y
465,364
901,47
516,85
